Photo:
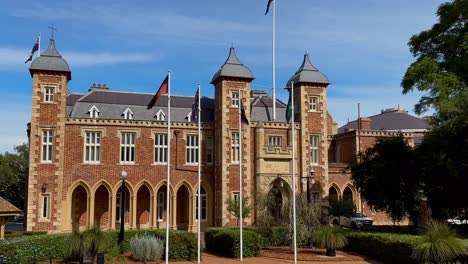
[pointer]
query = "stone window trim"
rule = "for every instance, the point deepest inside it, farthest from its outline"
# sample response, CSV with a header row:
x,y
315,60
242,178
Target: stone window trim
x,y
43,89
191,149
314,149
44,212
275,140
235,147
156,139
120,132
83,132
313,103
47,146
235,99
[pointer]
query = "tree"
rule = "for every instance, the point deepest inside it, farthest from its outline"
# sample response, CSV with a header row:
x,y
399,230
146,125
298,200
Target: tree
x,y
342,207
14,168
387,179
441,66
234,208
306,220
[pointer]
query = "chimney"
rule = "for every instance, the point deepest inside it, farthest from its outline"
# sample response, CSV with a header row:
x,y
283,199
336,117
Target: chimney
x,y
365,123
255,93
98,87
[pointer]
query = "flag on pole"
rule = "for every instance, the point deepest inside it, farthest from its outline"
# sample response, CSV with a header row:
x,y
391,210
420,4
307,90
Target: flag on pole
x,y
195,105
163,89
243,116
268,7
33,50
289,108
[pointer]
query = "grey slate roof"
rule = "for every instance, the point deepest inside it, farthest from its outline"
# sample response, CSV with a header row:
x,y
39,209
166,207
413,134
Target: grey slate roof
x,y
262,109
394,119
232,67
51,60
307,73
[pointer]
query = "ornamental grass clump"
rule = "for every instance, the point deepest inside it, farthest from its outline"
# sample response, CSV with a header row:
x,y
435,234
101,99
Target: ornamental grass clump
x,y
331,238
438,244
146,248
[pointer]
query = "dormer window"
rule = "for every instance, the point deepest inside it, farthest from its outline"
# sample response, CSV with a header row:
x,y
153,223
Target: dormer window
x,y
189,117
160,116
93,112
128,114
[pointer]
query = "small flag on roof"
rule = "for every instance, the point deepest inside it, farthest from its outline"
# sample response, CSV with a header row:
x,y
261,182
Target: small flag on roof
x,y
34,49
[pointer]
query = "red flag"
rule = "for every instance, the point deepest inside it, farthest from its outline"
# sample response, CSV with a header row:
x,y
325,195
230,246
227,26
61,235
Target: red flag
x,y
163,89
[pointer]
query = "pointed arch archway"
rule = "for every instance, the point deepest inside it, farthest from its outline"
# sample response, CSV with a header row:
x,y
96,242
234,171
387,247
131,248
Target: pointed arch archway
x,y
278,196
79,195
183,206
161,204
348,193
334,192
143,205
118,203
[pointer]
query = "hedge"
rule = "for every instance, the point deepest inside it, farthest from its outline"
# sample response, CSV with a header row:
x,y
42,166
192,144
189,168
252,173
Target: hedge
x,y
388,248
277,236
393,229
182,245
226,242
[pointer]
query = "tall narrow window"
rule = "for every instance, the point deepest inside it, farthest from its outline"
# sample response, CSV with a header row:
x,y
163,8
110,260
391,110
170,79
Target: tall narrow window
x,y
274,141
49,94
47,139
313,103
161,206
236,196
118,206
160,148
203,205
314,149
127,147
191,149
209,150
45,206
235,147
92,147
235,99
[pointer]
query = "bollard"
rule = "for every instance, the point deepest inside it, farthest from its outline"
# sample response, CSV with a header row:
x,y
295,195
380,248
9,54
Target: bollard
x,y
100,258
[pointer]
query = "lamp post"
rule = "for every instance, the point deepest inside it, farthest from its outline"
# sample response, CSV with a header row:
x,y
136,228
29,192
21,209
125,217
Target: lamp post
x,y
123,176
309,180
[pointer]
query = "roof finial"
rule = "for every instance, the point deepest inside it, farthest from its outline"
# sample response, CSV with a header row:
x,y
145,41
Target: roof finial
x,y
52,29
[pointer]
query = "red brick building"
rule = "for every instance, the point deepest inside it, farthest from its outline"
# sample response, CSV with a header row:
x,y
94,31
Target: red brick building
x,y
81,142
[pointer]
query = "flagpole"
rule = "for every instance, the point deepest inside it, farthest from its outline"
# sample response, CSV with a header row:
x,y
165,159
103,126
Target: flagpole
x,y
240,175
274,60
199,171
39,46
293,172
168,217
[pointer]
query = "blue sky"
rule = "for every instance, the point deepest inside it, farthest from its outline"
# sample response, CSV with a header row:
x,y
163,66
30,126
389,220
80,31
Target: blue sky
x,y
361,46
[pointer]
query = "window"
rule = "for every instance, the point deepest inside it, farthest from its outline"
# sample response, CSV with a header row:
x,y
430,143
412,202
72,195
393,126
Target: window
x,y
315,197
191,149
45,202
274,141
161,206
160,116
313,103
235,99
236,196
92,147
209,150
203,205
235,147
93,112
314,149
127,147
128,114
160,148
47,138
49,94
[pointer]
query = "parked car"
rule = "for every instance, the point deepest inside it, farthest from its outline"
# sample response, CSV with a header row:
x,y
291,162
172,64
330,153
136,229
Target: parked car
x,y
356,221
457,221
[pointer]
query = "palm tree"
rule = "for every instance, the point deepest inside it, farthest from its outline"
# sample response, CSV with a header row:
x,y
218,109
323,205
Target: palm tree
x,y
438,244
331,238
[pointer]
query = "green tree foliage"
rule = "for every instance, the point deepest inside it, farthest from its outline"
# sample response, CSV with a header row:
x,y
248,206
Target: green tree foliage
x,y
234,207
14,169
387,179
341,207
438,244
441,66
306,220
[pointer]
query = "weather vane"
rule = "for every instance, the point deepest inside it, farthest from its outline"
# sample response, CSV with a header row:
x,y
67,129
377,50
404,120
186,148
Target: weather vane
x,y
52,30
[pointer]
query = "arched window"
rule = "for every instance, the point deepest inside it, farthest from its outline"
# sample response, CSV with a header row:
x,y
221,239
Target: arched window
x,y
332,193
204,208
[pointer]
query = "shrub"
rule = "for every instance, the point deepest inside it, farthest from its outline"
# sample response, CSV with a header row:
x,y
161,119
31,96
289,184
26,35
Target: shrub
x,y
85,244
226,242
438,244
275,236
393,229
147,248
331,238
388,248
39,247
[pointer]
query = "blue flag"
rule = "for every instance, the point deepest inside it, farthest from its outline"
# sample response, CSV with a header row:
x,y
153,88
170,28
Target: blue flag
x,y
194,116
33,50
268,6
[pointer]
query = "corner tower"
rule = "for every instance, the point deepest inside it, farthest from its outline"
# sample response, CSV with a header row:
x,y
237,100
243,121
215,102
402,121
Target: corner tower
x,y
50,75
232,86
310,103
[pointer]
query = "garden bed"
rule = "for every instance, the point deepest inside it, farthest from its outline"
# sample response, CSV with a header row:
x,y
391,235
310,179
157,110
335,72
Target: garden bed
x,y
310,254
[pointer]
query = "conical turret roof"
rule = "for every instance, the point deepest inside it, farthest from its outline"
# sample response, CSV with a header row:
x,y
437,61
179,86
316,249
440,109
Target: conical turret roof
x,y
233,68
307,73
50,60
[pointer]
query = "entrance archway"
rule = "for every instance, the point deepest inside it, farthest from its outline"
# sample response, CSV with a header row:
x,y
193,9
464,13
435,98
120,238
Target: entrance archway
x,y
143,207
183,202
101,207
348,194
278,197
332,193
118,204
79,208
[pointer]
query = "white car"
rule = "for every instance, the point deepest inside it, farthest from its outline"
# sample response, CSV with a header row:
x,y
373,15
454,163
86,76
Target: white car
x,y
356,221
457,221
